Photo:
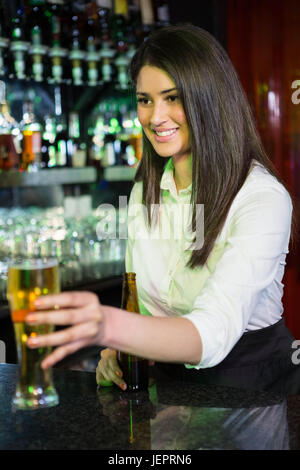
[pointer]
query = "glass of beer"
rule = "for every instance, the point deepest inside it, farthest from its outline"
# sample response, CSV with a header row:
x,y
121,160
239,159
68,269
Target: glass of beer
x,y
28,278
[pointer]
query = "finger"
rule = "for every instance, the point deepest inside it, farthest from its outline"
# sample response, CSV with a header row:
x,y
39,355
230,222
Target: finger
x,y
60,353
99,375
113,365
109,379
102,381
108,370
109,361
110,375
65,299
63,317
86,330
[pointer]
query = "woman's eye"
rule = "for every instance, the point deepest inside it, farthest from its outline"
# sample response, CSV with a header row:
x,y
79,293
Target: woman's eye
x,y
147,101
143,100
172,98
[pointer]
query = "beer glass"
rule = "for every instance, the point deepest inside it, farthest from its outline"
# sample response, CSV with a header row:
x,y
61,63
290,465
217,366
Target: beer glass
x,y
28,278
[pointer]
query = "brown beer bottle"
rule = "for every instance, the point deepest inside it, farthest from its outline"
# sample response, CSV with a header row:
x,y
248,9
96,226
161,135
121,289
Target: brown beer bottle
x,y
135,369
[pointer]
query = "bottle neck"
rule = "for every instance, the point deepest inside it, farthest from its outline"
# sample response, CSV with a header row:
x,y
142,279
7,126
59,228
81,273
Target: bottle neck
x,y
129,294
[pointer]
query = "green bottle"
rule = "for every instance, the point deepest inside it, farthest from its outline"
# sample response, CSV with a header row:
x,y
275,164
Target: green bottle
x,y
134,368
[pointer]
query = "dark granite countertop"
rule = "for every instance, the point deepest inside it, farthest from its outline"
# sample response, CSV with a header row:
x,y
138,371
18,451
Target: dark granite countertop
x,y
170,416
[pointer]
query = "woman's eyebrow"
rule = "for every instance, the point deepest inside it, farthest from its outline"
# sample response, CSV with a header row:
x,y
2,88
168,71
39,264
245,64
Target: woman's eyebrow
x,y
163,92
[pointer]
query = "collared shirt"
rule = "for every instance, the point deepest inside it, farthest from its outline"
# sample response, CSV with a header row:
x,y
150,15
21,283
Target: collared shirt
x,y
239,288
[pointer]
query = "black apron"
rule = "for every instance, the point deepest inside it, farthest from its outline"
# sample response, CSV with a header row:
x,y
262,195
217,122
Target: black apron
x,y
260,360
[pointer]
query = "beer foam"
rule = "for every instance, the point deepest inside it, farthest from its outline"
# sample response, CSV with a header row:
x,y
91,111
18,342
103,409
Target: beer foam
x,y
32,264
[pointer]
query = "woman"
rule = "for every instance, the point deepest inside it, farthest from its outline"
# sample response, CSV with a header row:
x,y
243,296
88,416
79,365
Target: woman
x,y
211,304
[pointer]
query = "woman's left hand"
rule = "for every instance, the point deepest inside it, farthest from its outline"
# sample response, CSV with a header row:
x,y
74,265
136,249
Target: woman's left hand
x,y
80,310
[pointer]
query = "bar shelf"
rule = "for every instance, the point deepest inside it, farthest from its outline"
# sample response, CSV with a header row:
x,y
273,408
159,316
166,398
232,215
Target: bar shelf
x,y
48,177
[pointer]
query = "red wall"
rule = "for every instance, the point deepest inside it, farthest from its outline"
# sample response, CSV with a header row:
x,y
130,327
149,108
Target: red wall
x,y
263,42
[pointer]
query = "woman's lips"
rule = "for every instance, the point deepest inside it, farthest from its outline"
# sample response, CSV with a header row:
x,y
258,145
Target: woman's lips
x,y
164,135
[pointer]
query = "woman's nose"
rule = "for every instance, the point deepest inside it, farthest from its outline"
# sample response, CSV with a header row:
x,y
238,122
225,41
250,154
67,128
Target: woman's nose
x,y
159,115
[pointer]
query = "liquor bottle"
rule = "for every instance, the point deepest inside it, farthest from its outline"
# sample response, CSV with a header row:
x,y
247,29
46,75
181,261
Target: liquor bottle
x,y
76,145
61,143
104,8
131,136
107,52
92,44
111,127
134,368
37,50
119,22
57,53
122,63
148,17
3,50
18,45
48,154
134,27
77,55
162,16
32,139
58,155
3,43
9,158
108,155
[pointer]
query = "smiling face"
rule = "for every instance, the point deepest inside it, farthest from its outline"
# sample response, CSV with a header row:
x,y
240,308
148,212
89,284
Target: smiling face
x,y
161,113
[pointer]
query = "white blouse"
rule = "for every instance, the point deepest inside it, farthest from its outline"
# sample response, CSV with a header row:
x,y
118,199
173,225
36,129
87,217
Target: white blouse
x,y
239,288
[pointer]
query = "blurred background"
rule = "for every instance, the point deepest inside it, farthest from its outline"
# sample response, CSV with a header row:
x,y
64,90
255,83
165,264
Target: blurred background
x,y
70,140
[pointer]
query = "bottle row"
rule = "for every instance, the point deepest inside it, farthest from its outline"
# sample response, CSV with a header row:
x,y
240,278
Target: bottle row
x,y
75,42
111,135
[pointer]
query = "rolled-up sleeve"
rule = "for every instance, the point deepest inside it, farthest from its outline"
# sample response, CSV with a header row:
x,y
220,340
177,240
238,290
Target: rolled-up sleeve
x,y
258,237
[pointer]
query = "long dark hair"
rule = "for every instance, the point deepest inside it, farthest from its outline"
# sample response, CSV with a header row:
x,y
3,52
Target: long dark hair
x,y
223,136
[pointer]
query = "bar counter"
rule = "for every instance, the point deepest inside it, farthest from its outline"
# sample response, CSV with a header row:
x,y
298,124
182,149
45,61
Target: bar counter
x,y
169,416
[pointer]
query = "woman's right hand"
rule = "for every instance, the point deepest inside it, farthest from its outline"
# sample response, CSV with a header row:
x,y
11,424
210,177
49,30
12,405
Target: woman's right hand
x,y
108,371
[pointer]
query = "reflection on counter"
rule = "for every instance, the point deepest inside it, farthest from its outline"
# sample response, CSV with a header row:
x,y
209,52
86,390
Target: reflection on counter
x,y
131,412
148,423
263,428
171,415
